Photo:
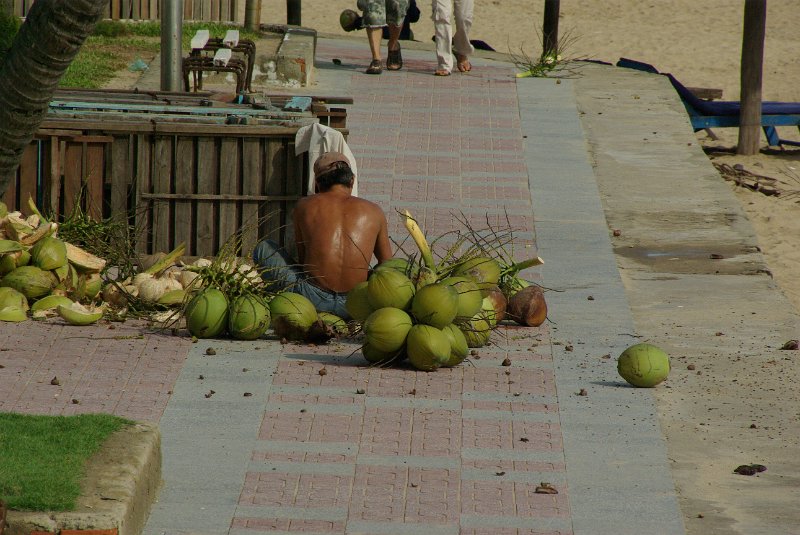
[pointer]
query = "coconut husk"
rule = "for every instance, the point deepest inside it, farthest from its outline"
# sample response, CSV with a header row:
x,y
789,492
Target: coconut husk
x,y
528,306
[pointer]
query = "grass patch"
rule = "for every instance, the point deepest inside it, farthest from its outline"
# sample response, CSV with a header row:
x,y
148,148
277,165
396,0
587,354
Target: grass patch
x,y
114,45
42,458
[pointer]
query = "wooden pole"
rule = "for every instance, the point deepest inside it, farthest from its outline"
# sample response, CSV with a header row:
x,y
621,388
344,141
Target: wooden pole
x,y
293,9
252,15
755,23
550,27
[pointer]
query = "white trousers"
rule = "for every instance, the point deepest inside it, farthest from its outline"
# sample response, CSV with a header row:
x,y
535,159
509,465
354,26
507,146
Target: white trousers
x,y
443,11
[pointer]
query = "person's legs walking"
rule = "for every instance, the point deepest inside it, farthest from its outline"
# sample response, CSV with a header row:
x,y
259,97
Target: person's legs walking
x,y
463,48
374,15
395,15
441,11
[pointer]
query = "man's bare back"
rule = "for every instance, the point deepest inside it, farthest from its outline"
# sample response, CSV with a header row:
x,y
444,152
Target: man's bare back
x,y
337,235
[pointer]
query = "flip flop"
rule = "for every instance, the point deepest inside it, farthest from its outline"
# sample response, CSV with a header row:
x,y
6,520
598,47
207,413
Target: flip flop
x,y
441,72
394,60
375,67
463,63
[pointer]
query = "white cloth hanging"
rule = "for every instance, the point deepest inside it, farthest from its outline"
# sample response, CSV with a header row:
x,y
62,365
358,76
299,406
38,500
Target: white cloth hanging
x,y
317,139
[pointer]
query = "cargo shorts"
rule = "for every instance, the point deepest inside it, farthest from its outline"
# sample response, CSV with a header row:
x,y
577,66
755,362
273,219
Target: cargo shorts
x,y
378,13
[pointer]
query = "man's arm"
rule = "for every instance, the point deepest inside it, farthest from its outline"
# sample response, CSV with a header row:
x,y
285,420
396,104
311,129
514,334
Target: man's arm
x,y
383,249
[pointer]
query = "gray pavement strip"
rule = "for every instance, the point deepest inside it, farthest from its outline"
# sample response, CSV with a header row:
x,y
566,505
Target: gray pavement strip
x,y
362,527
573,238
510,415
282,446
412,461
559,479
495,454
510,397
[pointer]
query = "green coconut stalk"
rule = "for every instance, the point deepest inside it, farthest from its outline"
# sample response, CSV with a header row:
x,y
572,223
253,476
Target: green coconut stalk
x,y
167,260
422,244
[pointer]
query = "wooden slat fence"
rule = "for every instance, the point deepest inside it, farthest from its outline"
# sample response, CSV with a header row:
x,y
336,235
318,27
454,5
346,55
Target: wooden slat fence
x,y
199,10
176,183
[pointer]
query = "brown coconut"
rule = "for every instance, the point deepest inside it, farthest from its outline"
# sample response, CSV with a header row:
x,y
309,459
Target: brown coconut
x,y
499,302
528,307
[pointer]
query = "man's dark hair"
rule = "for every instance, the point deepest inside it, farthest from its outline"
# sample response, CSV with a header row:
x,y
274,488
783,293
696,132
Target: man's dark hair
x,y
341,175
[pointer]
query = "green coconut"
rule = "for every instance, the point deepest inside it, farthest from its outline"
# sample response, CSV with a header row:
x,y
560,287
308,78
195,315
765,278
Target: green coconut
x,y
9,297
169,299
77,314
428,348
488,311
207,313
424,277
93,283
50,302
49,253
10,246
336,323
292,315
389,288
23,258
477,330
435,304
30,281
357,303
643,365
375,356
386,329
12,314
483,270
458,345
8,263
248,317
403,265
469,296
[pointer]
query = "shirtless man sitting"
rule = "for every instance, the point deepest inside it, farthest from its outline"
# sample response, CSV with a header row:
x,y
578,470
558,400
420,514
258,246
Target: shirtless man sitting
x,y
336,236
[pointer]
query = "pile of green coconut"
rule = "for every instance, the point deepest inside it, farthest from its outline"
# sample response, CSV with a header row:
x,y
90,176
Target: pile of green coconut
x,y
43,276
432,314
411,309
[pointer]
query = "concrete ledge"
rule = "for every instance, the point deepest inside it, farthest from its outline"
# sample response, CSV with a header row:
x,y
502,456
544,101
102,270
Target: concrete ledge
x,y
294,60
122,481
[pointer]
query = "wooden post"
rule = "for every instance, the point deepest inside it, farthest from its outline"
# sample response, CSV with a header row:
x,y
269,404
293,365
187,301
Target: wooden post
x,y
550,27
755,22
293,9
252,14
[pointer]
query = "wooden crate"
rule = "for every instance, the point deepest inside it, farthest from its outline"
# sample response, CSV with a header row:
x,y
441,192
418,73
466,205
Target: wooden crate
x,y
196,182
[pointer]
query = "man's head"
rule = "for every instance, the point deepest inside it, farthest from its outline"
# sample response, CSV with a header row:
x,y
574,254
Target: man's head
x,y
332,168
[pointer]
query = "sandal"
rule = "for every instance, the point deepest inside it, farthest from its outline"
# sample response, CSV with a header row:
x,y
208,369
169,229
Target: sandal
x,y
441,72
394,61
463,63
375,67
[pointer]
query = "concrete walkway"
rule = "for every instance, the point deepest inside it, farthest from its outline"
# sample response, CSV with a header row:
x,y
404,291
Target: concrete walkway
x,y
263,437
460,450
